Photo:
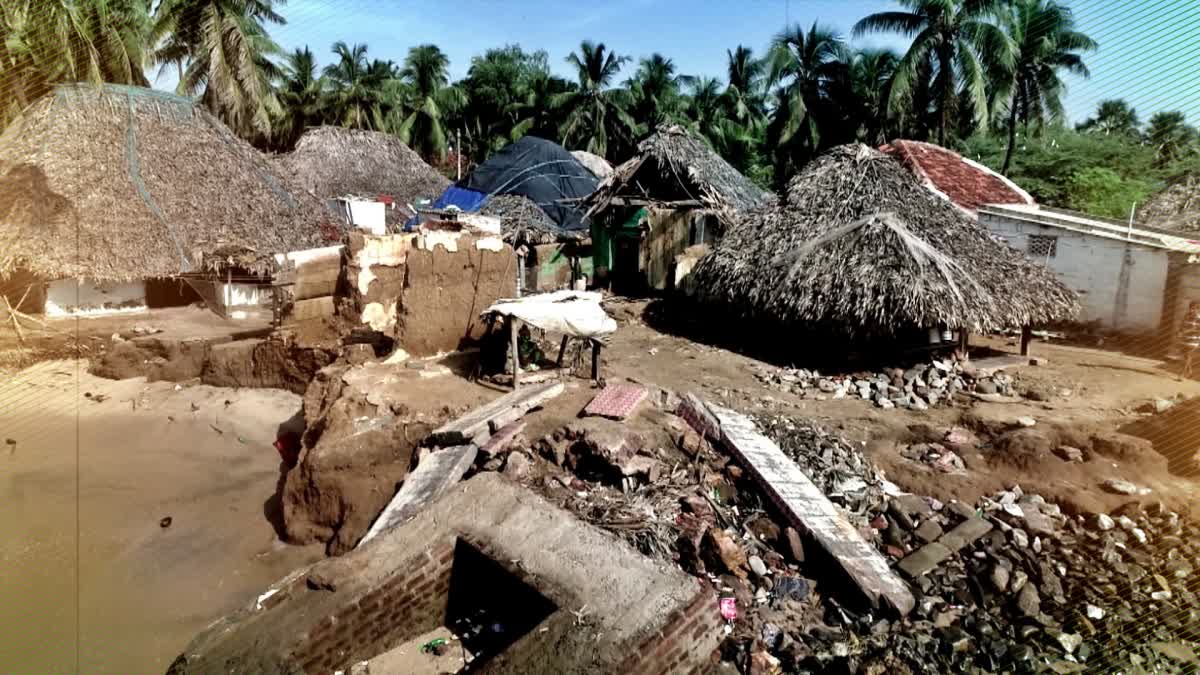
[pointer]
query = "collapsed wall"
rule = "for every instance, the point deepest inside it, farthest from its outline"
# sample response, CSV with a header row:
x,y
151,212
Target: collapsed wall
x,y
426,290
557,595
357,447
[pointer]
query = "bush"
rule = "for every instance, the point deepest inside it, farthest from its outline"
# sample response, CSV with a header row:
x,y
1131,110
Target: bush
x,y
1103,192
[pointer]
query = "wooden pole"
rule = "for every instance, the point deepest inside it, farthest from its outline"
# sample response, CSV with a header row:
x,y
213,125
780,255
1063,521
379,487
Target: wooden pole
x,y
562,351
964,341
514,328
596,360
1026,338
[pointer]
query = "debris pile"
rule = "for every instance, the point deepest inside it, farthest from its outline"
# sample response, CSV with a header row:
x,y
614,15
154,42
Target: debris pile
x,y
1011,584
917,388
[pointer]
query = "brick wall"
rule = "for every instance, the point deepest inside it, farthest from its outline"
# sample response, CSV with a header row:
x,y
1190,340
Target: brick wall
x,y
410,602
683,644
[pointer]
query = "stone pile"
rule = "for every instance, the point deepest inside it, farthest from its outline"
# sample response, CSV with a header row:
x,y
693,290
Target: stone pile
x,y
918,387
1010,584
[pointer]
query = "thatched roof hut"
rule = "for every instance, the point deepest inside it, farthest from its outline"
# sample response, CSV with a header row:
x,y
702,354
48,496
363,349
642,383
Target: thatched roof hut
x,y
1175,208
675,168
594,163
119,183
860,246
334,162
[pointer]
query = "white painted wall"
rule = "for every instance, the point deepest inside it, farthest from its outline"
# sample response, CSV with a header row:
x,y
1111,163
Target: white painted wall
x,y
1120,284
243,295
74,296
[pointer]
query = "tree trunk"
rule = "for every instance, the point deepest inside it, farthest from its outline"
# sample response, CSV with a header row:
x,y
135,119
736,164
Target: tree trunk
x,y
1012,134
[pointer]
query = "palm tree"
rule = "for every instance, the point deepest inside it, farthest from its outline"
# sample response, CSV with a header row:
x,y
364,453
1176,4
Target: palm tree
x,y
654,90
1114,117
744,93
952,41
1044,42
535,110
427,100
301,95
871,72
222,51
46,42
803,65
594,113
1171,137
355,86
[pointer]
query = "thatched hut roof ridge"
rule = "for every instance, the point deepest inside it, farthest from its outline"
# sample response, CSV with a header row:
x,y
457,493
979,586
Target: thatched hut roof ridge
x,y
861,246
332,162
116,183
693,170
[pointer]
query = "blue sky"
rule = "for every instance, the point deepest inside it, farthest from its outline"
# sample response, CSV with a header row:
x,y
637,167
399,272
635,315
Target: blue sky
x,y
1149,49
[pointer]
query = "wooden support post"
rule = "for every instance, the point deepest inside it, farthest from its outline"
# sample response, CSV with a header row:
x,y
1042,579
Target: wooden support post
x,y
514,329
596,360
562,350
1026,338
964,341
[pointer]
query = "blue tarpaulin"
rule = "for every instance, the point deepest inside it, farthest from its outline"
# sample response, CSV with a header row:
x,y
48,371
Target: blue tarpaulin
x,y
463,198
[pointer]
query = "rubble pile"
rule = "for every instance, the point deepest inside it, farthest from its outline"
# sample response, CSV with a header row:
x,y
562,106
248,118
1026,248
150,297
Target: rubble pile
x,y
1011,584
917,388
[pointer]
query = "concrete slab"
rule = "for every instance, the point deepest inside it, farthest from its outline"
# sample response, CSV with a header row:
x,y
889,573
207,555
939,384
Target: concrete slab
x,y
803,503
434,475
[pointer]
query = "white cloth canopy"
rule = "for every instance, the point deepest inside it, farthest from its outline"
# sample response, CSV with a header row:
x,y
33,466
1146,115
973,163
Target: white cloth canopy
x,y
574,313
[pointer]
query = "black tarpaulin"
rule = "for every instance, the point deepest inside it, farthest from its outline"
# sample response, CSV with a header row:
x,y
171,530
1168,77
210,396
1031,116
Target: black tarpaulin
x,y
541,170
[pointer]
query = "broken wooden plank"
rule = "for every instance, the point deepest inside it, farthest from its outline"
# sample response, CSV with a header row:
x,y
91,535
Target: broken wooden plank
x,y
475,426
616,401
803,504
434,475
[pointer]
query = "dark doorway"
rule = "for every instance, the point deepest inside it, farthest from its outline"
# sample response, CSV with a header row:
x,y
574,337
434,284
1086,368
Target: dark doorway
x,y
489,607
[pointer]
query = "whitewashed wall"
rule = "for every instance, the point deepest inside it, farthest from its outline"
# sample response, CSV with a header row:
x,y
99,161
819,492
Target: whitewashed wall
x,y
243,295
74,296
1120,284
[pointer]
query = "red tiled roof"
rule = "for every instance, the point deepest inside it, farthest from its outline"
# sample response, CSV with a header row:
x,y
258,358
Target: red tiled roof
x,y
967,184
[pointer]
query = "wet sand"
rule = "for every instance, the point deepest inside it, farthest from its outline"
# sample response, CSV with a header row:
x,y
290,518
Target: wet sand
x,y
91,582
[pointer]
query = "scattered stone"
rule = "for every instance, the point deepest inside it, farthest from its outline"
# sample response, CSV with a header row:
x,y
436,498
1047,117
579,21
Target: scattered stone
x,y
1104,522
1070,641
1026,421
1000,576
1069,454
1028,601
1093,612
758,566
1123,487
929,531
722,547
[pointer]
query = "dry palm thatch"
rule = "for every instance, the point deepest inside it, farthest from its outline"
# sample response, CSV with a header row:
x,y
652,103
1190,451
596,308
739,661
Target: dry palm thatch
x,y
860,246
522,221
672,165
335,162
599,166
119,183
1175,208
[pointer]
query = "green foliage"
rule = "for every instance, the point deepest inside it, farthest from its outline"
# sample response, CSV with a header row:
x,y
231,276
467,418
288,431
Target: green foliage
x,y
223,52
1046,165
47,42
1101,191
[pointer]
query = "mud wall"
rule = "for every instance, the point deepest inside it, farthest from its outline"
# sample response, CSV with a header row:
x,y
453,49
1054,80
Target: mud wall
x,y
444,293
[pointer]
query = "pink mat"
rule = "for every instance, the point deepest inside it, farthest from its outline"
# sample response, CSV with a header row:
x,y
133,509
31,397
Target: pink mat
x,y
616,401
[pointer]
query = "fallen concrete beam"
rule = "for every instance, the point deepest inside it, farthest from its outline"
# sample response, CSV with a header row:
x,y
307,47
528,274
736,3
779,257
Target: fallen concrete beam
x,y
801,502
477,425
435,474
933,554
